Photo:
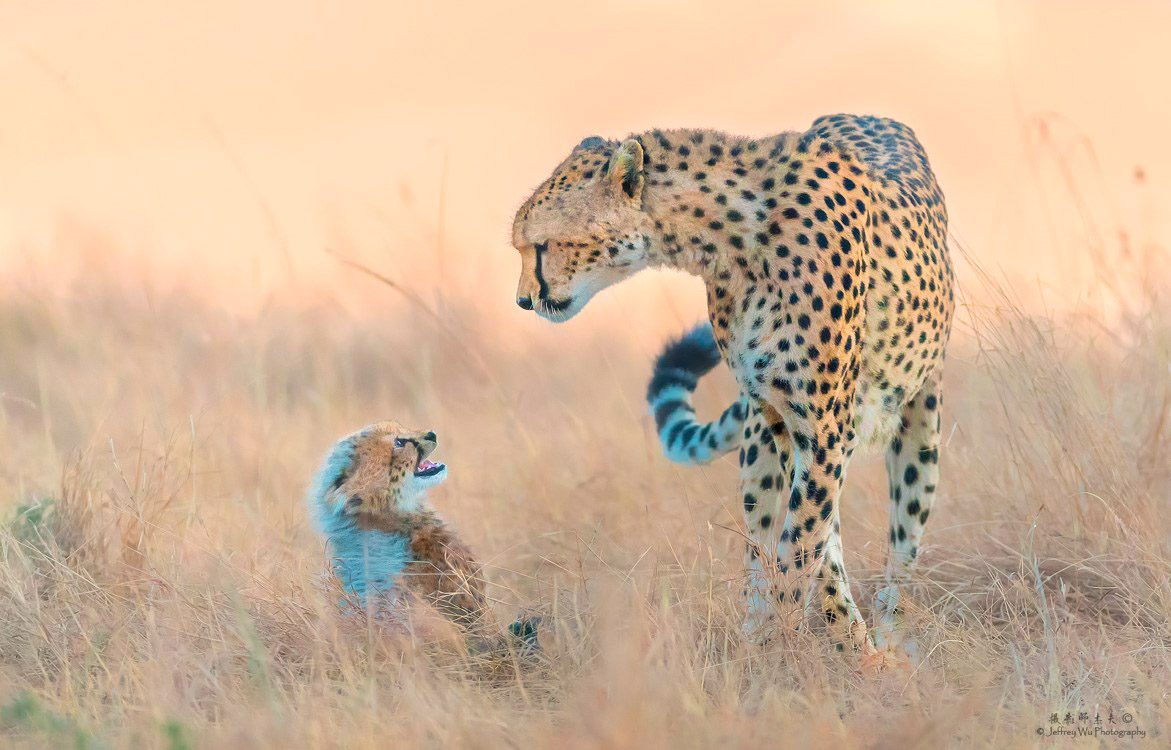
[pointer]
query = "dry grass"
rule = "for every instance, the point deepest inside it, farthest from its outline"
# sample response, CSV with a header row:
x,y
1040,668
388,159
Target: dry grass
x,y
160,587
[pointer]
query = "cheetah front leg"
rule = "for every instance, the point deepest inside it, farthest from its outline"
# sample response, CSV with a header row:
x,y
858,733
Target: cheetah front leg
x,y
822,595
808,553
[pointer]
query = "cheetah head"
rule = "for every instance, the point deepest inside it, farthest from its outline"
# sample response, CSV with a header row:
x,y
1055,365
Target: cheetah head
x,y
583,229
379,471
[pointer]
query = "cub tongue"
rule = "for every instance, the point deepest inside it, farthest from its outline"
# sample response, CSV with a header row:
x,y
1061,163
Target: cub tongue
x,y
425,464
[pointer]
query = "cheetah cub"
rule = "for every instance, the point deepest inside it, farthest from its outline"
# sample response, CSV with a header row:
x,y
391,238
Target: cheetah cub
x,y
388,546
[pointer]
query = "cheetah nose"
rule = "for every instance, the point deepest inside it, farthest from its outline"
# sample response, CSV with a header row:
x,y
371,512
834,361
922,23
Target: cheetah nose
x,y
430,437
525,303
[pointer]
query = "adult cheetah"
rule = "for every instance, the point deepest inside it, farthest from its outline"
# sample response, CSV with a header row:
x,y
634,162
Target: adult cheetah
x,y
830,295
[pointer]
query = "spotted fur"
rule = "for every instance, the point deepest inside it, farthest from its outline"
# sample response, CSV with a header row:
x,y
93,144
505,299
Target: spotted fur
x,y
830,295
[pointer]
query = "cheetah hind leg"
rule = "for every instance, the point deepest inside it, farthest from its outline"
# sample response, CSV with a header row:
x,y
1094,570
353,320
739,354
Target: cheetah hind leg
x,y
765,471
912,464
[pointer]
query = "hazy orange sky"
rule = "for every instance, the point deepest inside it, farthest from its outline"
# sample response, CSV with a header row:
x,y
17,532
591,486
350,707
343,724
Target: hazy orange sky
x,y
229,143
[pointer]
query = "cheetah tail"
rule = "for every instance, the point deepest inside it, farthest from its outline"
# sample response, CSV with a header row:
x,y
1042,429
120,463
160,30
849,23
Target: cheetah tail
x,y
677,371
524,633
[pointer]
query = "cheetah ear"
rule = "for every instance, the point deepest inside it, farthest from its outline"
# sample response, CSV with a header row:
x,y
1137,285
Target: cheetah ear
x,y
626,170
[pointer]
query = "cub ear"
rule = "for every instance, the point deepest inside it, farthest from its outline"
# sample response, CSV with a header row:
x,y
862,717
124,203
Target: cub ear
x,y
592,143
626,170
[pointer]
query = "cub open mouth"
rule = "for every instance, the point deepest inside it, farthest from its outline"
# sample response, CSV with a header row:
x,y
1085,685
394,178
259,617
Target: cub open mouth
x,y
428,468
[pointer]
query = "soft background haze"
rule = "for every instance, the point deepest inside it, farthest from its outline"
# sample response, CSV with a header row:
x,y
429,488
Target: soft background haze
x,y
229,143
179,347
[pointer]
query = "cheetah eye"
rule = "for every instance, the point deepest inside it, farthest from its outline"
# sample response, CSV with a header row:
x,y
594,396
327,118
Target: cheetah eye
x,y
400,443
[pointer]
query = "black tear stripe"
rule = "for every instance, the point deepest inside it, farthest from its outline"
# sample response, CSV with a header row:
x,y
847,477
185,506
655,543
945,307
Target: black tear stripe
x,y
342,476
542,287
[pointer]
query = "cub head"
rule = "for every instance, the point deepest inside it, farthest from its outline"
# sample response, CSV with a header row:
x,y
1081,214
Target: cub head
x,y
583,229
380,470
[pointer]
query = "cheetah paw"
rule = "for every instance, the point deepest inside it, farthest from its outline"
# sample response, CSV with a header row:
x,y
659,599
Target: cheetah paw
x,y
876,661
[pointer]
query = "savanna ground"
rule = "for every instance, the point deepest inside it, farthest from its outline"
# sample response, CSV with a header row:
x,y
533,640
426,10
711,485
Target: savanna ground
x,y
160,585
178,350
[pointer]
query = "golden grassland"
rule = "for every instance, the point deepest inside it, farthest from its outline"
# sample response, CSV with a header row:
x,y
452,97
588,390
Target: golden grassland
x,y
160,585
177,353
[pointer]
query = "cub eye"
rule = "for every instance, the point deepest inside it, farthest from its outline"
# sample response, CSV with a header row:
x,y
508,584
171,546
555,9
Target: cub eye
x,y
400,443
